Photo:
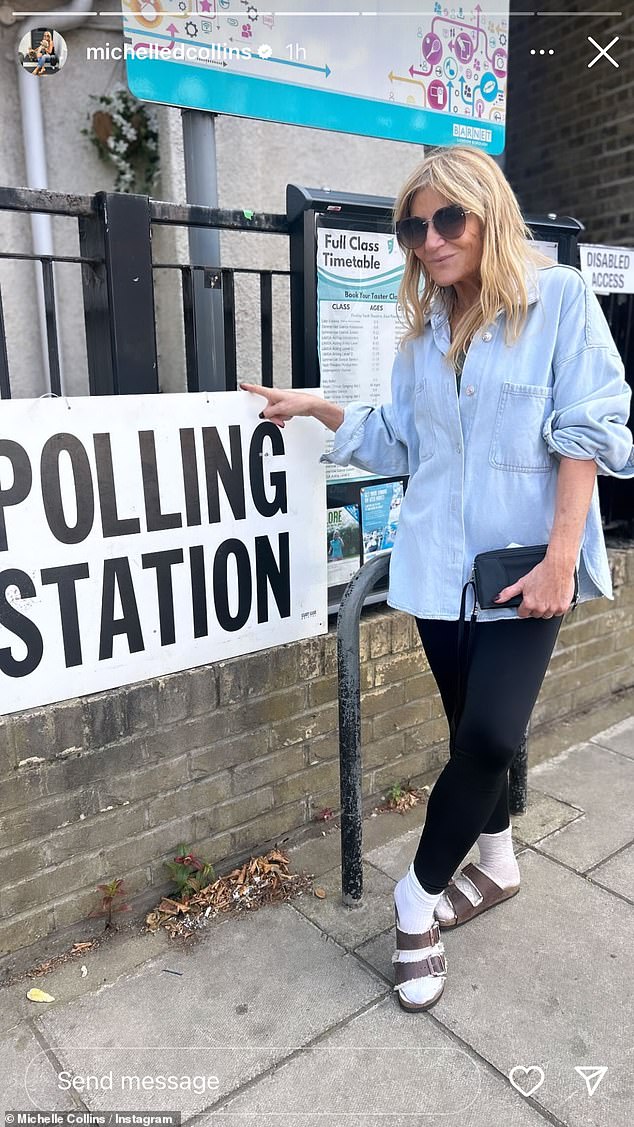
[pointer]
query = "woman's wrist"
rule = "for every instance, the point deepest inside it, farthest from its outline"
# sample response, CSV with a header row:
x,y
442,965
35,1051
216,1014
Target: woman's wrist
x,y
562,554
330,414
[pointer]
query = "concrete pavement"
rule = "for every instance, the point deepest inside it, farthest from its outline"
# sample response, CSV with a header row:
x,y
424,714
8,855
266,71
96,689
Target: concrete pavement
x,y
286,1015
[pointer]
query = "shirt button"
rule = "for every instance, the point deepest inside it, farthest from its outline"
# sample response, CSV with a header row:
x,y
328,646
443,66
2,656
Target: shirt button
x,y
486,336
470,389
459,449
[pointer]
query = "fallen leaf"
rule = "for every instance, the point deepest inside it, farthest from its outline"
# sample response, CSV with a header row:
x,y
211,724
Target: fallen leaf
x,y
320,892
35,995
172,907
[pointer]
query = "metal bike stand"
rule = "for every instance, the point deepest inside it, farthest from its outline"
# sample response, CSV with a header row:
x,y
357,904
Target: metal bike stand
x,y
349,692
518,777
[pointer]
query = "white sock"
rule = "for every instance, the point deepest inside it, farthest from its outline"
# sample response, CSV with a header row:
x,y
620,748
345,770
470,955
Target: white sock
x,y
416,914
497,860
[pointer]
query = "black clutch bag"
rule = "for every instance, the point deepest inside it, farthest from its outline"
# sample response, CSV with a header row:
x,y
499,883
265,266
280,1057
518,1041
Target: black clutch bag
x,y
492,571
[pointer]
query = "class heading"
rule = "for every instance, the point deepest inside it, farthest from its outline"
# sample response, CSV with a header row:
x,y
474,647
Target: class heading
x,y
350,242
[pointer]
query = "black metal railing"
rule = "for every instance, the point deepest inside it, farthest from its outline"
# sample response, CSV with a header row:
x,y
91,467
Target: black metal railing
x,y
223,278
118,287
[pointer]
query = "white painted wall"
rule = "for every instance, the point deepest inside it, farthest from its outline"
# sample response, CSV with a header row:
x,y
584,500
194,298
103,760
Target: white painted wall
x,y
256,160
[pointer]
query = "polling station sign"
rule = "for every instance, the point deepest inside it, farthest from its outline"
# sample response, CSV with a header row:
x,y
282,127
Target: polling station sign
x,y
140,535
608,269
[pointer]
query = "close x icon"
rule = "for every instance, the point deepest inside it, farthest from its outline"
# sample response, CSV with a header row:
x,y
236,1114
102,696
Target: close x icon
x,y
603,51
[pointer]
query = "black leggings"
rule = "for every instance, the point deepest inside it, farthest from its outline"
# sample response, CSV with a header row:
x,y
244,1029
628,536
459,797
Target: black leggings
x,y
508,662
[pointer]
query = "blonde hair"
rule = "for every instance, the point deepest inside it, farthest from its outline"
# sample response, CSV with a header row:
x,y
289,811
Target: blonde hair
x,y
470,177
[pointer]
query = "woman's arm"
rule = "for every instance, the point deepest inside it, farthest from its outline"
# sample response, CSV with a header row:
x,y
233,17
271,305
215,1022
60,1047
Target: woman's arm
x,y
575,483
285,405
548,589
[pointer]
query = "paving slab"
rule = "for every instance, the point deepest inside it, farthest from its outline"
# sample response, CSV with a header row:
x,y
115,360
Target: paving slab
x,y
619,737
382,1067
543,816
248,994
545,980
351,926
119,952
617,874
27,1077
599,782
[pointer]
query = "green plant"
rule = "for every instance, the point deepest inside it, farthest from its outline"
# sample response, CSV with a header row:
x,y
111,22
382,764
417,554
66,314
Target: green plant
x,y
395,792
110,891
189,873
125,132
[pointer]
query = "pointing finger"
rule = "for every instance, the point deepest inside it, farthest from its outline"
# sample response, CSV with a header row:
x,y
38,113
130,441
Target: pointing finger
x,y
268,392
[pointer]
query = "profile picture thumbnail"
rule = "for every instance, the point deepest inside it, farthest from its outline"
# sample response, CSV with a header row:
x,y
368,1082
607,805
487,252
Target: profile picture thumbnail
x,y
42,51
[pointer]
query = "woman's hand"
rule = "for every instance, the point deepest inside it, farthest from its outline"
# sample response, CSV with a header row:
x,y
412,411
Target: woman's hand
x,y
547,591
284,405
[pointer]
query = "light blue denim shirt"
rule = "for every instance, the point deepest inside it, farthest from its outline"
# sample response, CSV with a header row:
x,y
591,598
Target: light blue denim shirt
x,y
482,463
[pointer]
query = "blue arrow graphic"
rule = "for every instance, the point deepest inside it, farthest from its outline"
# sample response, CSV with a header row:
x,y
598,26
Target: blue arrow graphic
x,y
325,70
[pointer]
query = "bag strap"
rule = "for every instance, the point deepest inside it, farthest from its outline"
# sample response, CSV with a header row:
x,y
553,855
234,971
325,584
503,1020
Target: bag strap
x,y
464,657
575,597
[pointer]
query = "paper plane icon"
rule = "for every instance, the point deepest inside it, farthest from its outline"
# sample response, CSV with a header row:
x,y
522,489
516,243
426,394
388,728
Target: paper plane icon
x,y
593,1075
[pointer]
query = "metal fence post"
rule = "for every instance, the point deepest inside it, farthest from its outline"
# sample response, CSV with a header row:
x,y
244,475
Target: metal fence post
x,y
119,297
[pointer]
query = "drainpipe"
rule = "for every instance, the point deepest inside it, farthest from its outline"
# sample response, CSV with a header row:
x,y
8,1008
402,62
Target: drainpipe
x,y
34,145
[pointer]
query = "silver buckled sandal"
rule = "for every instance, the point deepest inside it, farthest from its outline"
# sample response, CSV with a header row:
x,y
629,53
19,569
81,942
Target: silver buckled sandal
x,y
433,964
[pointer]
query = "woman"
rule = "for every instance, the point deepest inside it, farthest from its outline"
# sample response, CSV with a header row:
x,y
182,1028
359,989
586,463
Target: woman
x,y
45,52
508,396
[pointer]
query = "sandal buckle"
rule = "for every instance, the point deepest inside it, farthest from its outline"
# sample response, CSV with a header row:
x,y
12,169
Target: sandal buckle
x,y
440,959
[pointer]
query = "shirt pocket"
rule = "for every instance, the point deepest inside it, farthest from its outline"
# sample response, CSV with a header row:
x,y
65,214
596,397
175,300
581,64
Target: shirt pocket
x,y
517,442
424,426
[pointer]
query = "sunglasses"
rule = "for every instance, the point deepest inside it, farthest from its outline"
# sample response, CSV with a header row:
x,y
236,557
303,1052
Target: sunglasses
x,y
449,222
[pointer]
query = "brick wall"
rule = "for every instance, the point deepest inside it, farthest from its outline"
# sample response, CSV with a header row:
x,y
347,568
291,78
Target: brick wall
x,y
570,128
231,757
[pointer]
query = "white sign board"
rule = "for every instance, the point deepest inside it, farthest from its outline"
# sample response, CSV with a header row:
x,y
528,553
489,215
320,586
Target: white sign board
x,y
549,248
140,535
608,269
426,73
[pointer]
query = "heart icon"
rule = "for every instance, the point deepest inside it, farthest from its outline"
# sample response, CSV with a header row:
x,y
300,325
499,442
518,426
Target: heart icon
x,y
532,1068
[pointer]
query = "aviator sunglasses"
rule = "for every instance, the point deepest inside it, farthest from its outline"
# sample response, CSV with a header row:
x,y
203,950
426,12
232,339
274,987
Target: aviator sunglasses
x,y
449,222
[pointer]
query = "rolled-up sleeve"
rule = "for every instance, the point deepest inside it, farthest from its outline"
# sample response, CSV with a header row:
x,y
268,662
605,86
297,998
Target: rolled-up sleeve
x,y
591,398
370,438
591,410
